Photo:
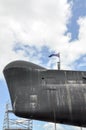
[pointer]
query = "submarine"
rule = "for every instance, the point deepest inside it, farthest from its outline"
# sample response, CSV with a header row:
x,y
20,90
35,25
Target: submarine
x,y
47,95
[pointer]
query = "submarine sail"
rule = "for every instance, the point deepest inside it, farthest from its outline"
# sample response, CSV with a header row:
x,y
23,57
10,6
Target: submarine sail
x,y
47,95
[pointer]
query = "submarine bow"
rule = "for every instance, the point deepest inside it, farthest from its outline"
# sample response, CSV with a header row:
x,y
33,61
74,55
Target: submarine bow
x,y
47,95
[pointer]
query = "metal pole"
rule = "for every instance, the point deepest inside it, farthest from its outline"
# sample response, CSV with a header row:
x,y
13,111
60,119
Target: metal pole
x,y
7,107
81,128
54,111
59,63
55,126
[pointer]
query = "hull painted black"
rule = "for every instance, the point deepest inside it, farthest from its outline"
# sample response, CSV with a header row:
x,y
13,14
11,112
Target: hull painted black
x,y
47,95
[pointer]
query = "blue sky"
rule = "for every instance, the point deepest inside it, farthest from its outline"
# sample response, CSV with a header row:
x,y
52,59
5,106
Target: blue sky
x,y
32,30
78,10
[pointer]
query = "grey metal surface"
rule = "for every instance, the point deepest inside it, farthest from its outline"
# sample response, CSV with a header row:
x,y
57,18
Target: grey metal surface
x,y
47,95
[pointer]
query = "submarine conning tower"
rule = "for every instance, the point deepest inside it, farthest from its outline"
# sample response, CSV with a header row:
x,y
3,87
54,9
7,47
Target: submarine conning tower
x,y
47,95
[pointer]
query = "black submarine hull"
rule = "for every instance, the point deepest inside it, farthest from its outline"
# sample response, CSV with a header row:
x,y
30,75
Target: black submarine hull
x,y
47,95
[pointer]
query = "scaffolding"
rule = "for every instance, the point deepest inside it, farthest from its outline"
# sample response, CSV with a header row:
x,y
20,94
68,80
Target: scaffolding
x,y
11,122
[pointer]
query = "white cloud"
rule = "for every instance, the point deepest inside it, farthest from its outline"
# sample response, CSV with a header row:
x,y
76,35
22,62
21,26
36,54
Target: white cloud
x,y
51,126
38,23
76,49
33,23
